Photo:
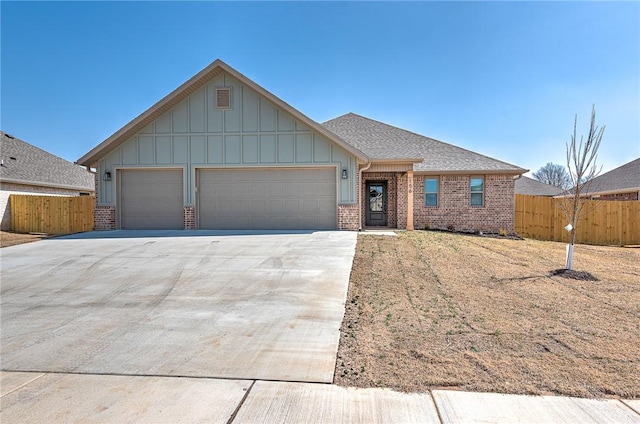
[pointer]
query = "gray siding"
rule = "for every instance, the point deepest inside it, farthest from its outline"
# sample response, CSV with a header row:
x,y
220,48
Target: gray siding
x,y
194,134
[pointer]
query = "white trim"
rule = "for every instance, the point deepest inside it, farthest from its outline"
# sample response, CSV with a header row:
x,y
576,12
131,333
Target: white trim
x,y
425,192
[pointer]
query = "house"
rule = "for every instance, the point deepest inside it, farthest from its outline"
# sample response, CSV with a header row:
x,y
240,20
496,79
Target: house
x,y
622,183
531,187
26,169
221,152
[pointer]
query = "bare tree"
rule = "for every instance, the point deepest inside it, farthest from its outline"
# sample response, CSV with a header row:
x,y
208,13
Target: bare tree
x,y
553,174
581,162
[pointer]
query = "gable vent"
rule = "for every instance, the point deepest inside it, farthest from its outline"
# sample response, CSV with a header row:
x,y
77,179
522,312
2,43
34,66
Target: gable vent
x,y
223,98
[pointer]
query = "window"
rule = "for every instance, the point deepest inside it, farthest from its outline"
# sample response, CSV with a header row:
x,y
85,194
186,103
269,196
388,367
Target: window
x,y
223,98
431,192
477,191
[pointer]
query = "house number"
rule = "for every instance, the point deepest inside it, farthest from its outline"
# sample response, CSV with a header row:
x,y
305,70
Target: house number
x,y
410,186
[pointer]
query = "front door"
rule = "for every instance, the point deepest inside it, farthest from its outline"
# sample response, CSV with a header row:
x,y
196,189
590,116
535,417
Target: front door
x,y
376,204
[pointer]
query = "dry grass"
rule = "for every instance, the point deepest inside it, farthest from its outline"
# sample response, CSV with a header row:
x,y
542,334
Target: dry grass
x,y
429,310
11,239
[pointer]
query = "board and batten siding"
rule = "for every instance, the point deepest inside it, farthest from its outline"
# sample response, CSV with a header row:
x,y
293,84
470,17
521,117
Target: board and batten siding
x,y
254,132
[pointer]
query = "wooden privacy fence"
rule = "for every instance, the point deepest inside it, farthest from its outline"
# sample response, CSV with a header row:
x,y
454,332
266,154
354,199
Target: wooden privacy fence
x,y
601,222
51,214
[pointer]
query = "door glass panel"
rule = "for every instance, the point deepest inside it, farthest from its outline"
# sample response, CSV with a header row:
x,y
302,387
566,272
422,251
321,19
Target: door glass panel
x,y
375,198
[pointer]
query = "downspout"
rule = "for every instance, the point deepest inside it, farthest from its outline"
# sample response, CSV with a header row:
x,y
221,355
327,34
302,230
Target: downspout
x,y
359,188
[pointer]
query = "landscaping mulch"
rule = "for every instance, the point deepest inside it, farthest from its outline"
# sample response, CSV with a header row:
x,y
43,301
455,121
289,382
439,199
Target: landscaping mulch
x,y
428,310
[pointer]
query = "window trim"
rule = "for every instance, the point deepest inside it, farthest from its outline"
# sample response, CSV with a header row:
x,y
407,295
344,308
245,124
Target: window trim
x,y
437,192
471,193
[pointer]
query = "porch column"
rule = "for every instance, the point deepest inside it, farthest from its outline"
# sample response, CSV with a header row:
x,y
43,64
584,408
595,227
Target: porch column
x,y
410,200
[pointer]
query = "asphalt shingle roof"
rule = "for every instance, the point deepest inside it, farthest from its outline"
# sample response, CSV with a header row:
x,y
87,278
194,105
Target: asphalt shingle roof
x,y
526,185
624,177
382,141
23,162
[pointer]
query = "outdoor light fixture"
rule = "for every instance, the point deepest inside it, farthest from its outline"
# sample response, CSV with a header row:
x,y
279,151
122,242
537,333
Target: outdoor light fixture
x,y
107,176
344,174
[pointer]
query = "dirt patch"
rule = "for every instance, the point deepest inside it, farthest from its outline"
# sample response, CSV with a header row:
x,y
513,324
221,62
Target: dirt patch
x,y
573,274
428,310
11,239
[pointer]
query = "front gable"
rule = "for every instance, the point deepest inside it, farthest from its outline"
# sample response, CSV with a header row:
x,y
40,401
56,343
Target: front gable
x,y
253,132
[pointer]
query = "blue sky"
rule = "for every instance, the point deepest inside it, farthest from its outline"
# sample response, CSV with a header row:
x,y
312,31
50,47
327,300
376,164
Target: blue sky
x,y
500,78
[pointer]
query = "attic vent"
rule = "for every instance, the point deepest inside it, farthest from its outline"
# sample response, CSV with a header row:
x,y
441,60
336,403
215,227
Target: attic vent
x,y
223,98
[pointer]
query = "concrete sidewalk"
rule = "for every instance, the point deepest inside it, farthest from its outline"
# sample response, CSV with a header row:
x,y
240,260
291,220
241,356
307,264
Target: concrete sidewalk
x,y
56,397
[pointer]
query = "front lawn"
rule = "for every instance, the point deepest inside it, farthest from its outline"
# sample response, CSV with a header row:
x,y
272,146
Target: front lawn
x,y
430,310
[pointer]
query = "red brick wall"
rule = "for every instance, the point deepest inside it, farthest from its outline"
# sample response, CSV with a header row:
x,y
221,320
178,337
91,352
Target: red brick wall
x,y
104,217
619,196
454,207
189,218
348,217
401,190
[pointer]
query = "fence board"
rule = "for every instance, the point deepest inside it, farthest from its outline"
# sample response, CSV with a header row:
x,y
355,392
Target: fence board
x,y
601,222
51,214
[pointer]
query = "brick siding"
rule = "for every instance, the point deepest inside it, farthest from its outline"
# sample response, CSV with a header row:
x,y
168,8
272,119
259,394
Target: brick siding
x,y
189,218
348,217
454,207
401,189
104,218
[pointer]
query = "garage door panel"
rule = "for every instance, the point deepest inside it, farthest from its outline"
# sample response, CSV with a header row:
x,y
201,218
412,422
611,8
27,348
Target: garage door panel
x,y
267,199
151,199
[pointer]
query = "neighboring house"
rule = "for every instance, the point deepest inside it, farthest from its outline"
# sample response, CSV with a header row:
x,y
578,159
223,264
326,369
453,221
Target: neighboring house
x,y
622,183
26,169
531,187
221,152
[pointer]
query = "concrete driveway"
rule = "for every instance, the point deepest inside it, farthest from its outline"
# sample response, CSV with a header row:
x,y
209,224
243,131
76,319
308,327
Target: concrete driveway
x,y
174,303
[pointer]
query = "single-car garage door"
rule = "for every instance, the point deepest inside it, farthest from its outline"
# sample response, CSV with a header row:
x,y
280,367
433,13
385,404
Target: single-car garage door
x,y
151,199
267,199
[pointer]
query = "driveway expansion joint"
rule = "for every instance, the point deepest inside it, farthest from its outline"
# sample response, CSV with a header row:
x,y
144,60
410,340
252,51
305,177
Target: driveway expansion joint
x,y
246,394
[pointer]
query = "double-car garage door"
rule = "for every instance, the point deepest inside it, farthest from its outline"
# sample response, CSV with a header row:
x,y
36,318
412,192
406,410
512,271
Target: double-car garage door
x,y
273,199
251,199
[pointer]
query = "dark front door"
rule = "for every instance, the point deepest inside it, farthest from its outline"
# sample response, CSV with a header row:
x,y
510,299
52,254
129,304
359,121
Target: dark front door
x,y
376,204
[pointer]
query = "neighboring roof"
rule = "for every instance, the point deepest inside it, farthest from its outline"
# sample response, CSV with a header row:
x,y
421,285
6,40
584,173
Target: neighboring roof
x,y
622,179
526,185
382,142
23,163
184,91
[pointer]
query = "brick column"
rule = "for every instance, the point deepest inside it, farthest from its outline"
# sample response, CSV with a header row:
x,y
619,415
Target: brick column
x,y
410,200
189,218
348,217
104,218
